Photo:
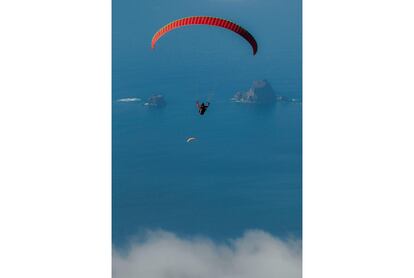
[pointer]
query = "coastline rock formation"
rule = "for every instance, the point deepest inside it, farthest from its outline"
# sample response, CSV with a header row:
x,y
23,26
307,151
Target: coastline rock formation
x,y
260,92
156,101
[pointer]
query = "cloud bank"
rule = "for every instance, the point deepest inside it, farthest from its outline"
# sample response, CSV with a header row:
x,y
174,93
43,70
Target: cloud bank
x,y
164,255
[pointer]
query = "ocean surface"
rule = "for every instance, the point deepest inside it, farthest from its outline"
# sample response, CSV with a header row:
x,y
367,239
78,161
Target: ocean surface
x,y
244,171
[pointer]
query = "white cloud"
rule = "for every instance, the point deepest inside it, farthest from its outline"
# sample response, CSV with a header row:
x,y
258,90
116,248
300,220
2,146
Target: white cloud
x,y
255,255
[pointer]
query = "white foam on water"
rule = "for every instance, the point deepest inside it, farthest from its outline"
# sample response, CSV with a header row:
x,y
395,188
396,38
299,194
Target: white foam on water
x,y
128,99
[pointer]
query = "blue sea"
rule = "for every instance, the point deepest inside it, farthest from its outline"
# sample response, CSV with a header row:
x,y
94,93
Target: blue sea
x,y
244,171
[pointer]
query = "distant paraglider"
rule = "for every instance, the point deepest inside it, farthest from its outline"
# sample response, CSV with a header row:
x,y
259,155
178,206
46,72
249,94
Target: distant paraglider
x,y
191,139
206,20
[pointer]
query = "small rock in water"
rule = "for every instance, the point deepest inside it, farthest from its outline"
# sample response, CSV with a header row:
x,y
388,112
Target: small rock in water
x,y
156,101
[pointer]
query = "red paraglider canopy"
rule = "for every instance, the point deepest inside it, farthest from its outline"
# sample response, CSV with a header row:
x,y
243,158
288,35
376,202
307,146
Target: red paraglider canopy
x,y
206,20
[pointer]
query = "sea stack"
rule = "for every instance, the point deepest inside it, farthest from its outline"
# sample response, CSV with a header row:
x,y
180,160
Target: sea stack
x,y
260,92
156,101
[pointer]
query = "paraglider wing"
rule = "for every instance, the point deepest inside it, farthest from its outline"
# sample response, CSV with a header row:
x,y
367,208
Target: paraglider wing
x,y
206,20
189,139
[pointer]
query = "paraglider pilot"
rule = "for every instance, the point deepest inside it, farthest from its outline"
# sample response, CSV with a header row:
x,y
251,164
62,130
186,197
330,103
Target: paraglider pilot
x,y
202,108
